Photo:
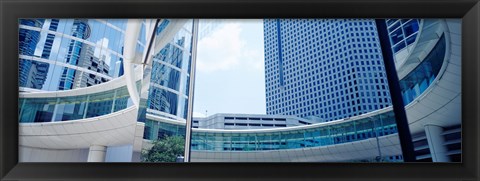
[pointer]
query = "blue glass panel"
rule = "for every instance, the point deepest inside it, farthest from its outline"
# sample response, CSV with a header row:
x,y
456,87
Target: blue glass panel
x,y
70,108
396,36
170,54
162,26
394,26
184,85
398,47
340,133
422,76
100,104
410,27
122,100
32,74
96,31
68,26
162,100
32,22
119,23
36,110
183,108
165,76
411,39
53,77
27,41
391,21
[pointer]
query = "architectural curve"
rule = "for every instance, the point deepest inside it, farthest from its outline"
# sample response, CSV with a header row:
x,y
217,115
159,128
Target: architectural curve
x,y
437,101
131,35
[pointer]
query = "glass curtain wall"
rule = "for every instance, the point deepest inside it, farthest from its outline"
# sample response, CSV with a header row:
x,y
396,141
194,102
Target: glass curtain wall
x,y
64,54
167,81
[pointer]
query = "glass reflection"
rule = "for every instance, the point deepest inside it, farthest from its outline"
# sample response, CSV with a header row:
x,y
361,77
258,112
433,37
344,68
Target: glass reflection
x,y
87,47
73,107
32,22
418,80
70,108
165,76
168,87
402,32
319,136
37,110
158,130
162,100
170,54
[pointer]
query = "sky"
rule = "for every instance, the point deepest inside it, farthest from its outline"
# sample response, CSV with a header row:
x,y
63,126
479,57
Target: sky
x,y
230,76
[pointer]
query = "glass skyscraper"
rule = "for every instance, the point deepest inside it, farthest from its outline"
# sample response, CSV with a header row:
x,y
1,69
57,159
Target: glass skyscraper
x,y
324,69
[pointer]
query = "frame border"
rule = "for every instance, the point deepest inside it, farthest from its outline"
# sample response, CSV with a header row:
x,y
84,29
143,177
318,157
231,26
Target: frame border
x,y
468,10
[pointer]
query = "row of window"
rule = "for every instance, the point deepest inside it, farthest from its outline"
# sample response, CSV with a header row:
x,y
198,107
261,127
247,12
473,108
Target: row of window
x,y
255,124
318,59
330,114
251,118
402,32
328,135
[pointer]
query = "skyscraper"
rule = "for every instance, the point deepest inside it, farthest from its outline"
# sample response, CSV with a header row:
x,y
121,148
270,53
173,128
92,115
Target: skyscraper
x,y
323,68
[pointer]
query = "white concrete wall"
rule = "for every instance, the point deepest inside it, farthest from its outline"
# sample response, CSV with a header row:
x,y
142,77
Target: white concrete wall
x,y
119,153
29,154
113,154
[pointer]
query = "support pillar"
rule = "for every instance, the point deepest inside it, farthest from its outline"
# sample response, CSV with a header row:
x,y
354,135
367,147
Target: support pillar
x,y
97,153
395,92
435,141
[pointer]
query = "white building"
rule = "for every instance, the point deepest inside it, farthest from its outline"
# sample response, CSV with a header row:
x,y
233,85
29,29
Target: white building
x,y
248,121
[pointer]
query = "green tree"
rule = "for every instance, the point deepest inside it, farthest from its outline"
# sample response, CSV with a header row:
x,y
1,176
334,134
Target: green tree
x,y
165,150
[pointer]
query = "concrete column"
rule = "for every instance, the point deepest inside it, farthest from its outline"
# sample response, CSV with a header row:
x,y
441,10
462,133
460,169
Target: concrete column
x,y
97,153
138,142
435,143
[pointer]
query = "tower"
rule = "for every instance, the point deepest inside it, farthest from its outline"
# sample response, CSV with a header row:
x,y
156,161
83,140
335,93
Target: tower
x,y
326,68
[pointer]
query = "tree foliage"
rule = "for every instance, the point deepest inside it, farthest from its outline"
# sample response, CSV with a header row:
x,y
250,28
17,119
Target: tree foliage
x,y
165,150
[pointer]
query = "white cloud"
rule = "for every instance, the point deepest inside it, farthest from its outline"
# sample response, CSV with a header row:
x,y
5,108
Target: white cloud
x,y
255,59
220,50
224,49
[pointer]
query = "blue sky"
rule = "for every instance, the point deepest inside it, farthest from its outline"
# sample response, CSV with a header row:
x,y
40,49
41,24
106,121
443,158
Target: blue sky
x,y
230,75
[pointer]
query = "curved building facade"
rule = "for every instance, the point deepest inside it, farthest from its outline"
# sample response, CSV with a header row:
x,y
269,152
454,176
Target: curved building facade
x,y
75,95
102,123
64,54
430,83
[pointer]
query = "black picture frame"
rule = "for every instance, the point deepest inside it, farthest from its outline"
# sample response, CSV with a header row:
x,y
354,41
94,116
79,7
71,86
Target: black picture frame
x,y
10,11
